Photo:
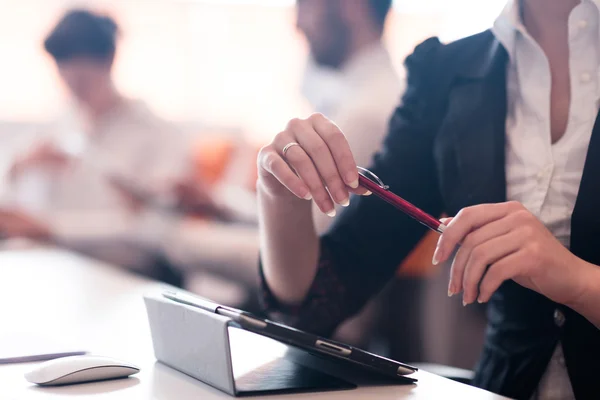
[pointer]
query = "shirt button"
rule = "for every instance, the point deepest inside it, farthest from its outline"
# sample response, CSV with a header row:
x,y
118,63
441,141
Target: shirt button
x,y
586,77
559,318
582,24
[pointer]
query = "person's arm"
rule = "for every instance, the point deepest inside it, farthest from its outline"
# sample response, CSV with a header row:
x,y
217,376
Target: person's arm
x,y
45,155
327,280
289,244
588,301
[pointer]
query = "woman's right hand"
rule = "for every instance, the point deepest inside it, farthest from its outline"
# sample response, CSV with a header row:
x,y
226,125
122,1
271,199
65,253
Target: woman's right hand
x,y
321,167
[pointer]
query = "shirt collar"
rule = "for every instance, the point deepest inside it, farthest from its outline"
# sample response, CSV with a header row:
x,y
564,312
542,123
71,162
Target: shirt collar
x,y
325,88
362,62
509,24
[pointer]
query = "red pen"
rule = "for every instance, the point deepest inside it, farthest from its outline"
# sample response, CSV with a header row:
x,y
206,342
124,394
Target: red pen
x,y
370,181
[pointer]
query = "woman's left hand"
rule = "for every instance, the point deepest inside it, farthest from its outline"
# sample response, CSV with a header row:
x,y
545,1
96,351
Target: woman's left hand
x,y
505,241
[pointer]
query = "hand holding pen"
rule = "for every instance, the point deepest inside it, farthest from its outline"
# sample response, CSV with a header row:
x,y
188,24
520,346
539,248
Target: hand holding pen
x,y
311,159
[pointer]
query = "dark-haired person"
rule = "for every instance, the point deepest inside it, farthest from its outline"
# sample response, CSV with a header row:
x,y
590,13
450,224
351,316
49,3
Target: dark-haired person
x,y
499,130
102,157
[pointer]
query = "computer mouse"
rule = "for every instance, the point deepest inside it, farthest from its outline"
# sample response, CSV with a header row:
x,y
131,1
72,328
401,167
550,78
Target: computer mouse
x,y
79,369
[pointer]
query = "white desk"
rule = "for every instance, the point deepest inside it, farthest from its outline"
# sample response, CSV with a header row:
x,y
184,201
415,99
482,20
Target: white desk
x,y
62,295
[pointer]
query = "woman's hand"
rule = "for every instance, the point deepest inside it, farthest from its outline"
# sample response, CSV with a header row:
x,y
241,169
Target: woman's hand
x,y
505,241
319,167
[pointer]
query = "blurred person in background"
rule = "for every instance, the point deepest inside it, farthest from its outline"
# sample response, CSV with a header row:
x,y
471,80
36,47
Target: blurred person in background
x,y
100,175
350,77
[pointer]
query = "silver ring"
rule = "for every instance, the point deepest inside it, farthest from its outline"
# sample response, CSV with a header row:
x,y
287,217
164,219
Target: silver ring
x,y
289,146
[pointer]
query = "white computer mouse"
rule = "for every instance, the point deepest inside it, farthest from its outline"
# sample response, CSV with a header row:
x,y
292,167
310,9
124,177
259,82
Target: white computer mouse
x,y
79,369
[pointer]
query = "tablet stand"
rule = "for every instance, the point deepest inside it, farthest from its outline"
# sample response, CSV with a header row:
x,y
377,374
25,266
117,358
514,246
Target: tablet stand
x,y
198,343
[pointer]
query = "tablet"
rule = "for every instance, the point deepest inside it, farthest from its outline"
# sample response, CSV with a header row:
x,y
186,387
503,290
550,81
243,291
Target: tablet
x,y
297,338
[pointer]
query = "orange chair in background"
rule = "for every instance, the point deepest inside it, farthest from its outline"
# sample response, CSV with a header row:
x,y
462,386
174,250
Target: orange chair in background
x,y
211,157
418,263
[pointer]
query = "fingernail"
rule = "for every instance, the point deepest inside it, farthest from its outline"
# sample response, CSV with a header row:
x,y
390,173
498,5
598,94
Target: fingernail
x,y
367,193
464,303
480,301
436,256
445,220
450,289
308,197
345,203
331,213
353,183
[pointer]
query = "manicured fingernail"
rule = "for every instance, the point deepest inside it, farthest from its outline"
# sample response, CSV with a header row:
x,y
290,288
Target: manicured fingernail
x,y
331,213
464,303
480,301
445,220
308,197
352,180
345,203
450,293
436,256
367,193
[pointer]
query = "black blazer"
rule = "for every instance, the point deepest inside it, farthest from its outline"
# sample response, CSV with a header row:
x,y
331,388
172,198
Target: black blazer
x,y
446,150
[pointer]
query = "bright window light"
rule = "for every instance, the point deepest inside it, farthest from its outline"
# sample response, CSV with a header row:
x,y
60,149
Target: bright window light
x,y
278,3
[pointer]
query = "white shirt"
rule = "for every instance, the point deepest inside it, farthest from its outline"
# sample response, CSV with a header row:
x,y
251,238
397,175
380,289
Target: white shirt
x,y
82,207
545,177
360,98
